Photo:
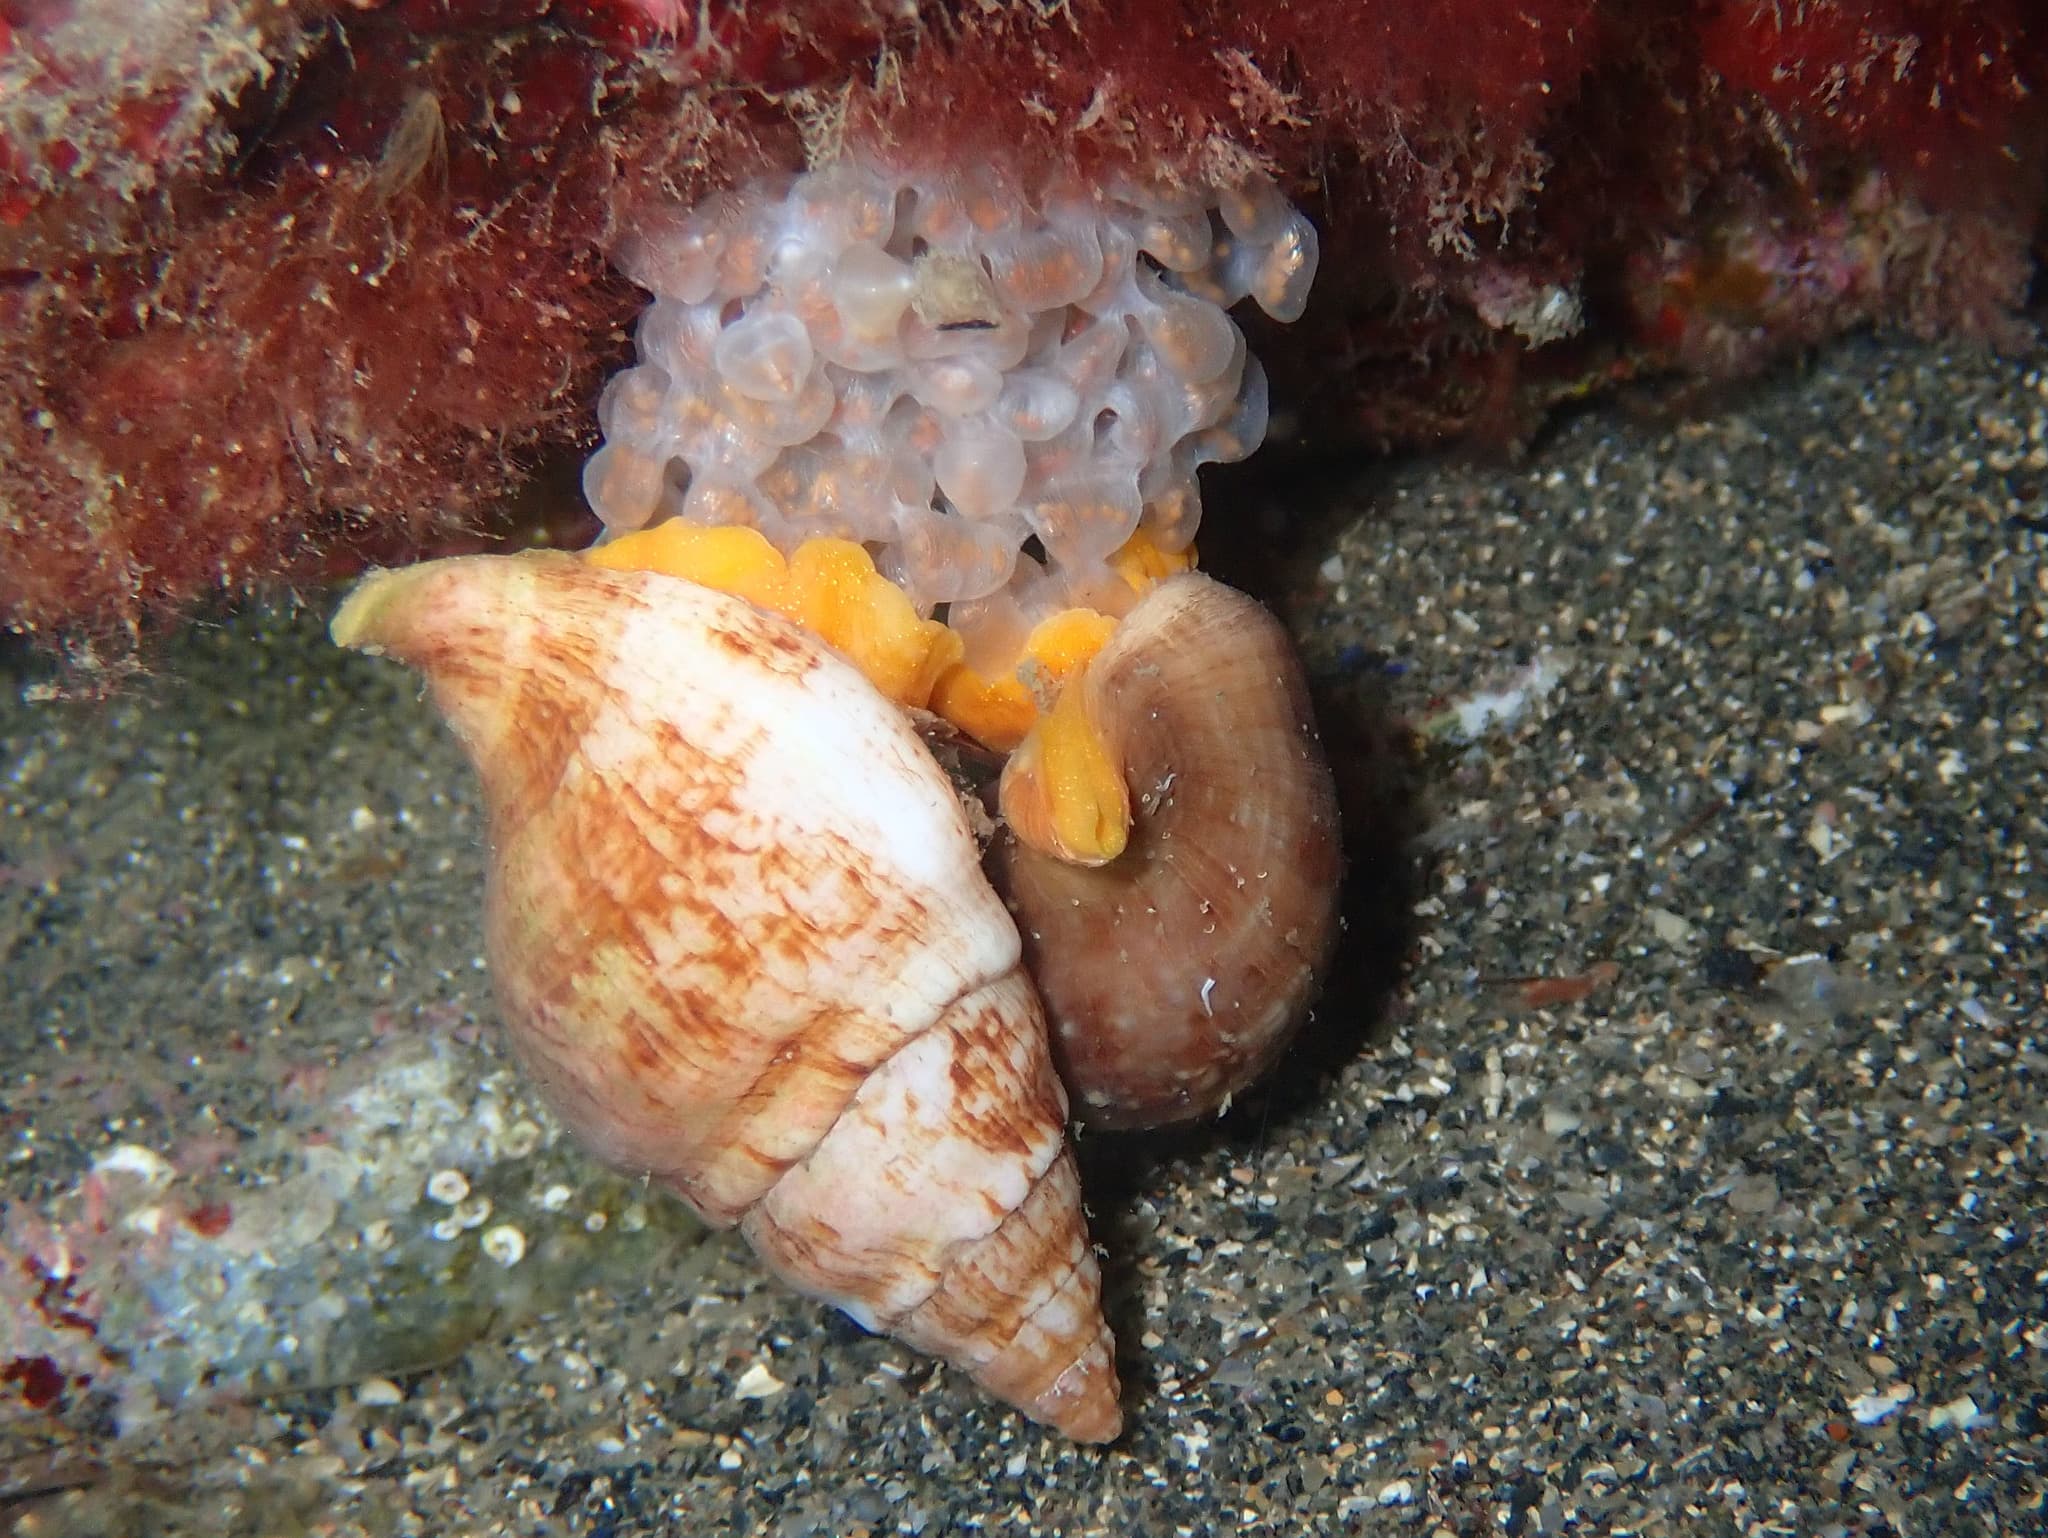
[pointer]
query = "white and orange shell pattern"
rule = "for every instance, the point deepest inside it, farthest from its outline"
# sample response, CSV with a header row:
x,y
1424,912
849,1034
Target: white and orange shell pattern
x,y
785,991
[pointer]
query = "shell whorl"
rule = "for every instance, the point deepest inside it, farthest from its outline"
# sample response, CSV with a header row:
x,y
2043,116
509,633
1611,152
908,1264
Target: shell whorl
x,y
1174,975
741,938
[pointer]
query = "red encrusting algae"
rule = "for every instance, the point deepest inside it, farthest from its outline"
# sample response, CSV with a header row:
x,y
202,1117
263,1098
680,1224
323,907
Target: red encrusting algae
x,y
298,285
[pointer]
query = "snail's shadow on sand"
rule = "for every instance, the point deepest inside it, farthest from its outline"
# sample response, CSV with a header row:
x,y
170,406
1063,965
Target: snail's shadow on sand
x,y
1300,503
1379,782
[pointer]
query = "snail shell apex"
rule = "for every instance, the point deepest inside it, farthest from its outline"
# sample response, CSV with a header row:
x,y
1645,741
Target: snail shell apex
x,y
741,939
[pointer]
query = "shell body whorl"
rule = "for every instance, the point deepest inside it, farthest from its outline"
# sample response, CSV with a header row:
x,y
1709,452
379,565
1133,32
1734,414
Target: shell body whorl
x,y
1174,975
742,940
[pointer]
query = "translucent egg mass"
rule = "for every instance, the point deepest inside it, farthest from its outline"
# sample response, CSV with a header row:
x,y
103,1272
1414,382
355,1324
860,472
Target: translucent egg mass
x,y
993,393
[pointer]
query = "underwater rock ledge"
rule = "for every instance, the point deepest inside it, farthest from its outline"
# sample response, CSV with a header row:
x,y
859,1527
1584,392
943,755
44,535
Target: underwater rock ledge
x,y
291,289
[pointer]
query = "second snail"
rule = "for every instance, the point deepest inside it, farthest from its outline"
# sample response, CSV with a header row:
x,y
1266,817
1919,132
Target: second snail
x,y
738,918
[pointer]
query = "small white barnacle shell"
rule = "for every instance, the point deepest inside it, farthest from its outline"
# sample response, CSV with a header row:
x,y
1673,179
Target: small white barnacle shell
x,y
741,937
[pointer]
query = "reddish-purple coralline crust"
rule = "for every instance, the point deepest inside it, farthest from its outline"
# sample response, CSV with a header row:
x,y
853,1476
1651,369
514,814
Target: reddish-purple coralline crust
x,y
298,284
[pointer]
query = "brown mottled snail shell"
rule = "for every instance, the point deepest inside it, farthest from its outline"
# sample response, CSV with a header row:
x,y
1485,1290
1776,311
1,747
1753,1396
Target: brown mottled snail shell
x,y
1174,975
742,939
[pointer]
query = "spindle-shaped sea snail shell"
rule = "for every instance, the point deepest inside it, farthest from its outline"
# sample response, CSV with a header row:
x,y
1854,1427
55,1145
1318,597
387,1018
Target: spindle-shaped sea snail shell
x,y
741,937
1174,974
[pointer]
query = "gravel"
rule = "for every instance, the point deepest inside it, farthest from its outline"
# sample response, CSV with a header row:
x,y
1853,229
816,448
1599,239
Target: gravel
x,y
1686,1181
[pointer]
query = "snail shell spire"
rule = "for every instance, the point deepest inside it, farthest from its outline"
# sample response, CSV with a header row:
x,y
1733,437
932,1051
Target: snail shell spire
x,y
741,938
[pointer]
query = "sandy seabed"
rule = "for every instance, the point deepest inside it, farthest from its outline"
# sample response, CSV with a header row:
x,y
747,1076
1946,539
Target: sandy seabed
x,y
1687,1182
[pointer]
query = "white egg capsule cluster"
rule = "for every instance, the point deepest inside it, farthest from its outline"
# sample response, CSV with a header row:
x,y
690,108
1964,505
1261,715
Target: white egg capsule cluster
x,y
943,370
